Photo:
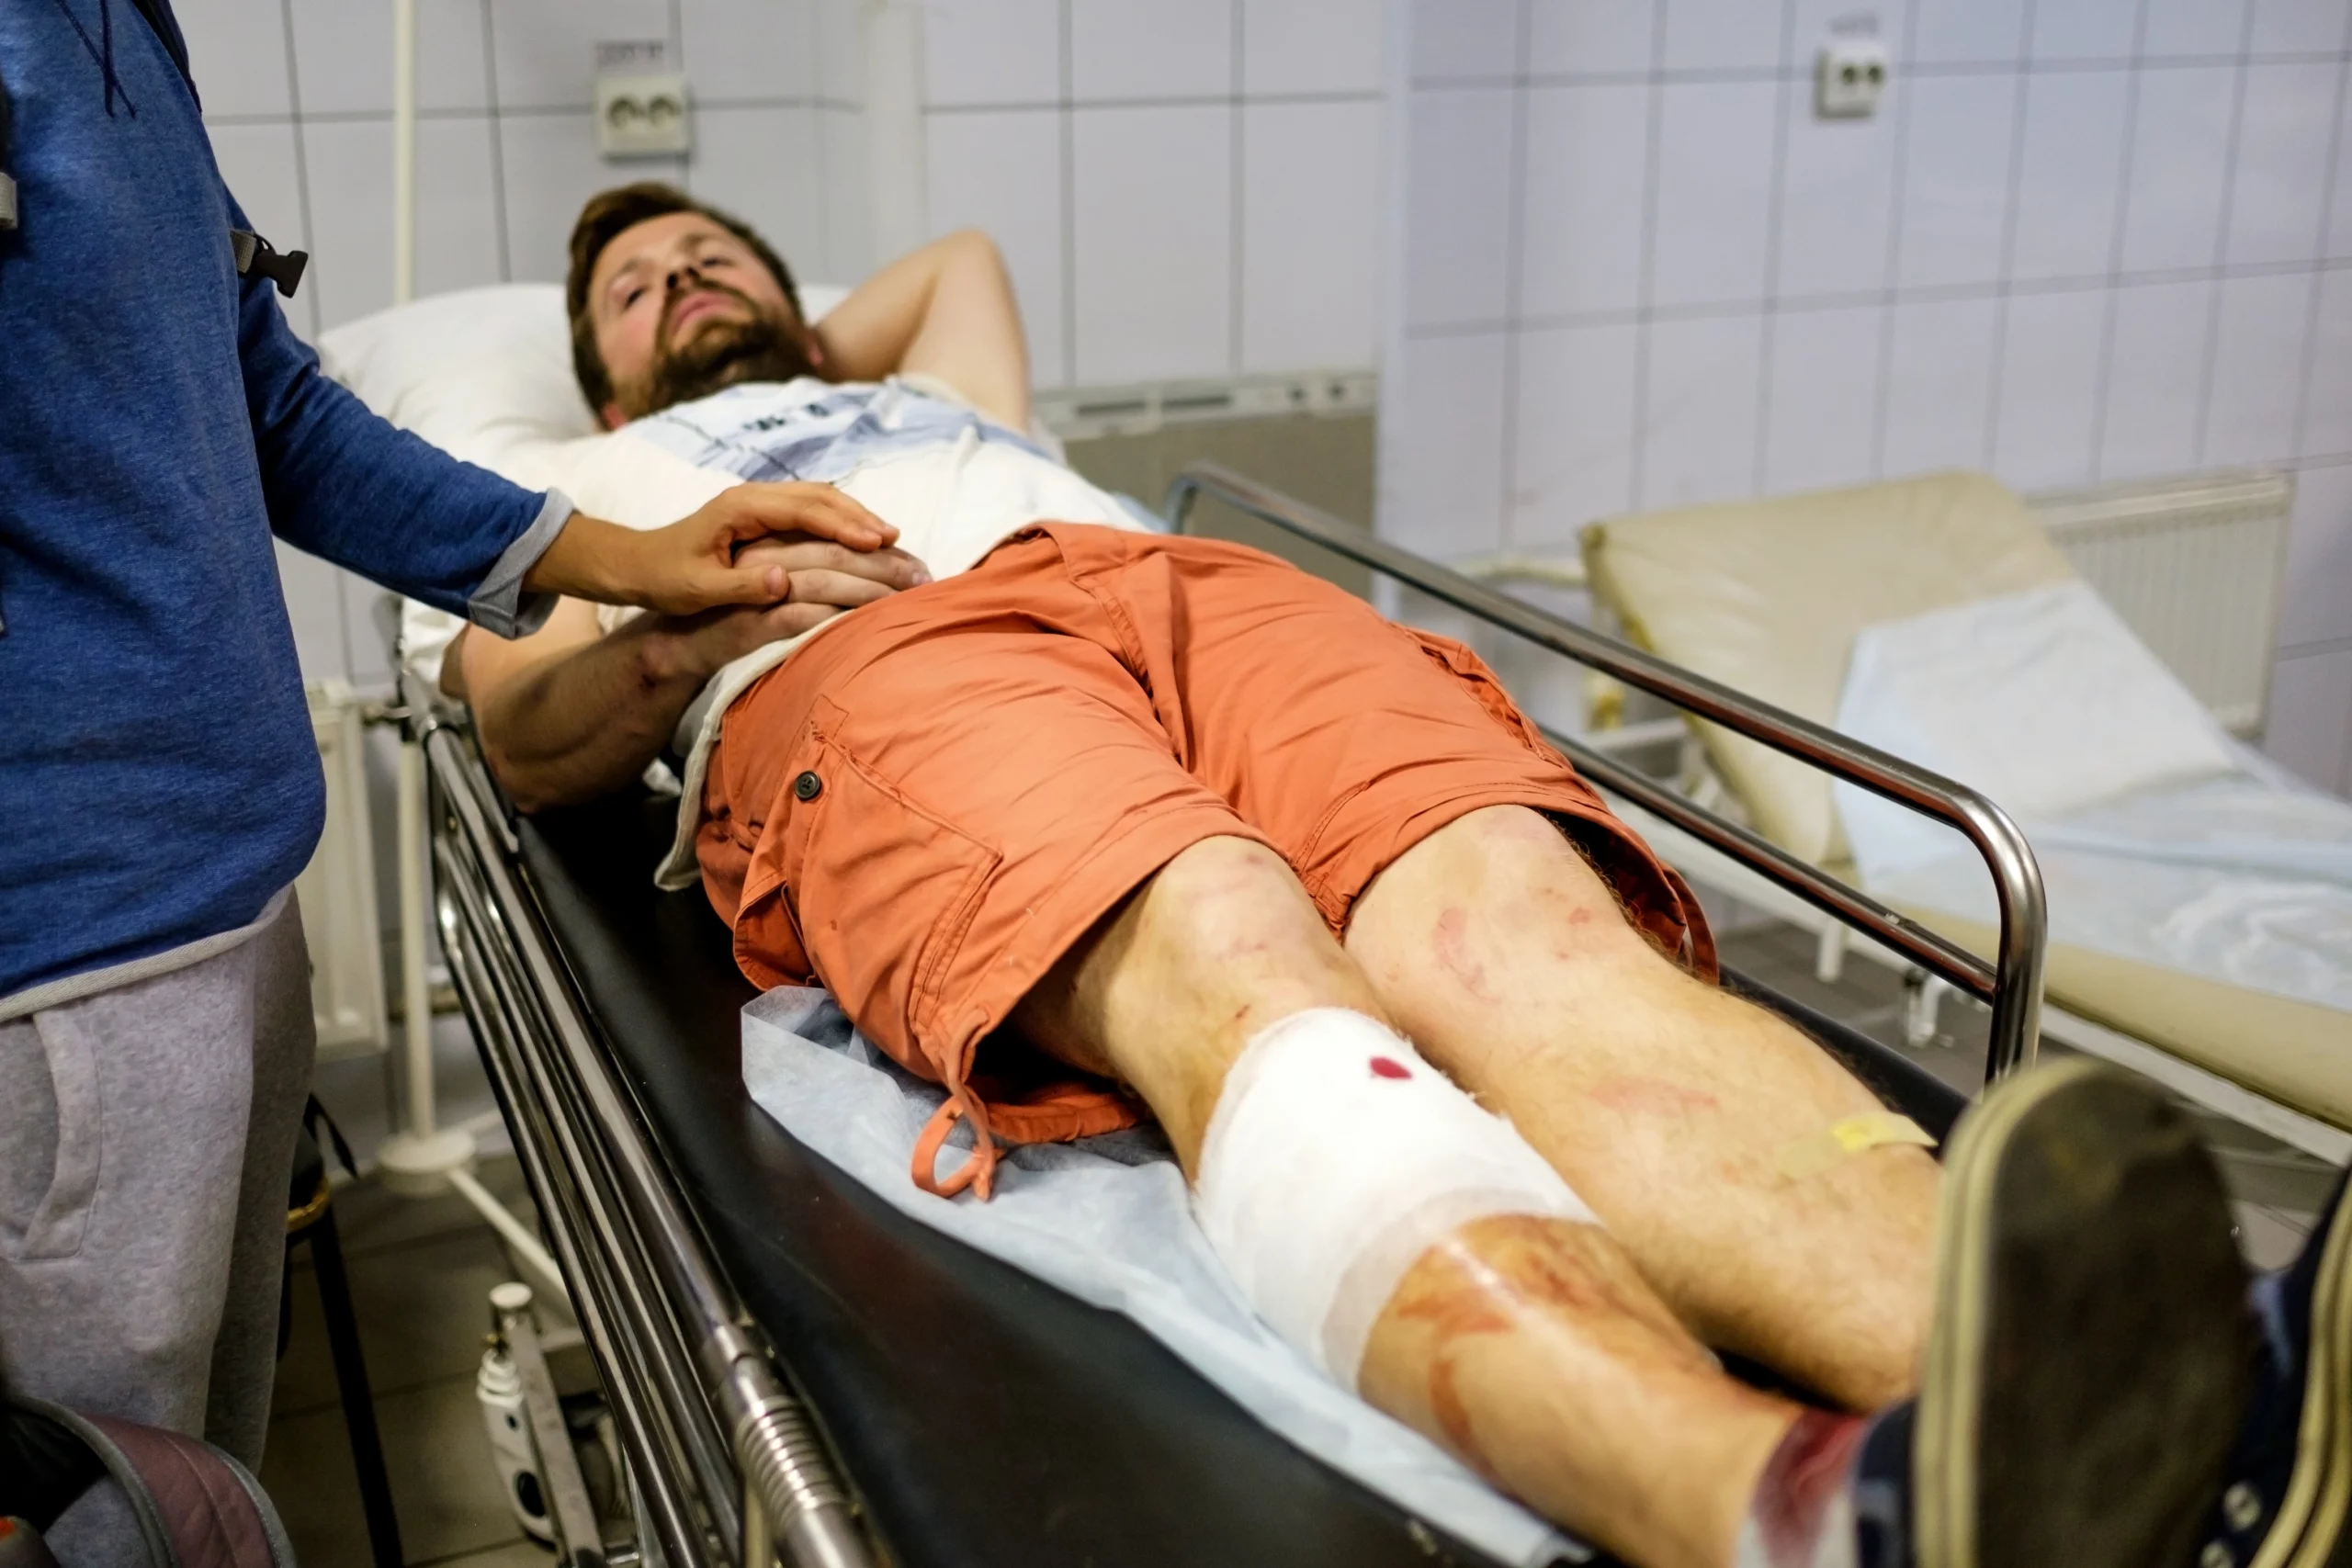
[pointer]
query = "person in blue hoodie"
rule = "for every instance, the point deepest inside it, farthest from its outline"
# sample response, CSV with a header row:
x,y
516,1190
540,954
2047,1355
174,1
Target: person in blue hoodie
x,y
159,788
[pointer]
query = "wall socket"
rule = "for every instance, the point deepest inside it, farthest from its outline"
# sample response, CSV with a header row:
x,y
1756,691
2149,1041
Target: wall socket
x,y
640,103
1848,79
641,116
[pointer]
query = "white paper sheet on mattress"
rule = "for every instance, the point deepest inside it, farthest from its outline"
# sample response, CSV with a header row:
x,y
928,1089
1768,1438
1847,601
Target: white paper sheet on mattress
x,y
1108,1220
2160,840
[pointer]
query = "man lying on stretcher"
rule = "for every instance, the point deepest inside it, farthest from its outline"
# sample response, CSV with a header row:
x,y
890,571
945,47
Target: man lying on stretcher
x,y
1088,824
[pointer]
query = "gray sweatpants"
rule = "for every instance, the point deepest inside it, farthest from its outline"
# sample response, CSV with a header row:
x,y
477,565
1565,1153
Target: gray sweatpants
x,y
146,1146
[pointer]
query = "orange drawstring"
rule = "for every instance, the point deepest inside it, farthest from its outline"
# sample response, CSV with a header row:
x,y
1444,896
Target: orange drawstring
x,y
979,1171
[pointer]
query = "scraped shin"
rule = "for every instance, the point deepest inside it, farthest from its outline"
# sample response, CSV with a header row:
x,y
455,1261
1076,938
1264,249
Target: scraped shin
x,y
1505,1321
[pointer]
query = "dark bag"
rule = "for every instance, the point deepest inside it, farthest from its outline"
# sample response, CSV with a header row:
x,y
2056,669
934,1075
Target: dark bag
x,y
197,1506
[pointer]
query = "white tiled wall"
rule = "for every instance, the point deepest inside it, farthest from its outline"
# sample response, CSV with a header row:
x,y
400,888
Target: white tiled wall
x,y
2083,241
1183,187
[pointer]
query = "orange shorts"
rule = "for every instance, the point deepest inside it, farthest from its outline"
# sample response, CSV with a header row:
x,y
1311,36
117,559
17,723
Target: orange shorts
x,y
928,805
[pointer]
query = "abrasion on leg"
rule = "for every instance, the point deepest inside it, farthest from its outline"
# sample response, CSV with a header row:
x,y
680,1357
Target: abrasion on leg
x,y
1335,1159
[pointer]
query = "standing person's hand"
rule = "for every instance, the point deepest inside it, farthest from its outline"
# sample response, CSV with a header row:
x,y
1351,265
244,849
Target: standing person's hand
x,y
823,580
700,562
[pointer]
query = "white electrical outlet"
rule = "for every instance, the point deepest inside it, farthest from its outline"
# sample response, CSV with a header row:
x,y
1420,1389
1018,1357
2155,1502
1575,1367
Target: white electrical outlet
x,y
641,116
1849,78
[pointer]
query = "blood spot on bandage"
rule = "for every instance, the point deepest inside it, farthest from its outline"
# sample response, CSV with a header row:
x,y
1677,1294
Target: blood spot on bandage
x,y
1389,1068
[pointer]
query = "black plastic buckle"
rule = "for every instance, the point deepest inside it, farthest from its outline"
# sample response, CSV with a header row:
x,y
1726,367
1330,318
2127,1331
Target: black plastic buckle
x,y
255,253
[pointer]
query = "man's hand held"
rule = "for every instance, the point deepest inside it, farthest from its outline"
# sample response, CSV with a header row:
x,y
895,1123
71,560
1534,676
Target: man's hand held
x,y
706,561
822,579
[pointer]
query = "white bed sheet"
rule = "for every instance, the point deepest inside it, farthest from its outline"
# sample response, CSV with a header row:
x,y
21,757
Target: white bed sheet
x,y
2244,879
2160,840
1108,1220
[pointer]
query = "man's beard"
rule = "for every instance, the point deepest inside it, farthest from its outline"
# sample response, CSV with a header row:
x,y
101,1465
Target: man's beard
x,y
761,347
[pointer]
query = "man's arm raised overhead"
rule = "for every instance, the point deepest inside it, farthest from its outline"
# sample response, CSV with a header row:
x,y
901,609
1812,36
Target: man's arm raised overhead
x,y
946,311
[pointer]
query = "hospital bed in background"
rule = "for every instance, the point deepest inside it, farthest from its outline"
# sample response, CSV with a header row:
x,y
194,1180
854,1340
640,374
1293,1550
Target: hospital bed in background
x,y
793,1367
1773,594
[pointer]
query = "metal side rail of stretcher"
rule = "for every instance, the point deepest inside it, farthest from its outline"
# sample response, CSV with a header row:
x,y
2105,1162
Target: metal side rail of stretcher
x,y
720,1452
2011,986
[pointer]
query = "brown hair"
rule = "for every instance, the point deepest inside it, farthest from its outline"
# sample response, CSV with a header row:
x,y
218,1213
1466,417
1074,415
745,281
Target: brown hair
x,y
609,214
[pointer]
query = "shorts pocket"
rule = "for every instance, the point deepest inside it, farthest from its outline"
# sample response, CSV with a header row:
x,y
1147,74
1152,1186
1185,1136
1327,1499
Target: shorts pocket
x,y
1483,685
54,1188
883,889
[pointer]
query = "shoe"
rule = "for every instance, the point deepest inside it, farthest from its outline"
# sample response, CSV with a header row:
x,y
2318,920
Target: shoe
x,y
2289,1493
2092,1355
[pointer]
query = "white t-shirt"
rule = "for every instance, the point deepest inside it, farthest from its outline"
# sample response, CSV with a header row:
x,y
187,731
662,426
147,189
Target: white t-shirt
x,y
953,482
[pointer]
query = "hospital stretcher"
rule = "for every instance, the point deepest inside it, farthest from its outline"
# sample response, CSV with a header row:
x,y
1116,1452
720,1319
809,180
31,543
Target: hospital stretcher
x,y
795,1369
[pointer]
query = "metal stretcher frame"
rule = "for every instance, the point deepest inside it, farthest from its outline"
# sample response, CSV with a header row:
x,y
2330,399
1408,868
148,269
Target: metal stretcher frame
x,y
727,1464
2011,985
721,1452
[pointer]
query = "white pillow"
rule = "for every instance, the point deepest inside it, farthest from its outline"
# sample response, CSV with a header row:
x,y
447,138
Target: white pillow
x,y
474,372
2044,700
482,371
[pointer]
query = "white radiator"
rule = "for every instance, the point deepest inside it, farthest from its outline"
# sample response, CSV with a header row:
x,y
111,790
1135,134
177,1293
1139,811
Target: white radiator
x,y
2195,567
338,888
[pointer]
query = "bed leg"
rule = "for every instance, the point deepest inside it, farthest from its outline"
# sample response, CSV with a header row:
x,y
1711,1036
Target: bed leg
x,y
1922,996
1829,954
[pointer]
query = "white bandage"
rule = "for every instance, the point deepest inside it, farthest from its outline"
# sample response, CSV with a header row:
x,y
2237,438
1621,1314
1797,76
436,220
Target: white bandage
x,y
1335,1159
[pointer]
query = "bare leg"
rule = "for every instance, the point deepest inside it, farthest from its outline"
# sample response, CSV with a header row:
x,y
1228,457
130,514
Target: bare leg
x,y
1665,1102
1532,1348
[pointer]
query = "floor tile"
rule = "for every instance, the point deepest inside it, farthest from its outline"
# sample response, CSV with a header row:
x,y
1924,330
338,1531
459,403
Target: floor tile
x,y
372,1218
523,1553
2261,1170
422,1310
445,1486
2268,1240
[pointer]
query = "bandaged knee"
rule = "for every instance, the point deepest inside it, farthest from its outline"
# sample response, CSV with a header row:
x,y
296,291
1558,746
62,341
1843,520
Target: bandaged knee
x,y
1335,1159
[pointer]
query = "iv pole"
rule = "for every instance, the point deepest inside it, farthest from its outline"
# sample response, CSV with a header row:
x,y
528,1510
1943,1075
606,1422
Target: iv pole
x,y
423,1158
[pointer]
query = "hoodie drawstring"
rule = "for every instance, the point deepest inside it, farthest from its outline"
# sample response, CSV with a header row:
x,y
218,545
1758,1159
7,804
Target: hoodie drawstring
x,y
101,53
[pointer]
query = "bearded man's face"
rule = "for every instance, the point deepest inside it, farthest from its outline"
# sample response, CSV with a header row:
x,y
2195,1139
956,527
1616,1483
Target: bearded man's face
x,y
683,307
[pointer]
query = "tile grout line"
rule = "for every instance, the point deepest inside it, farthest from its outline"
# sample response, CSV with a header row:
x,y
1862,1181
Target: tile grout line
x,y
1775,213
2103,387
2207,367
1998,362
822,137
456,1559
1514,272
1171,101
497,140
302,188
1931,294
1642,348
377,1392
1942,70
2319,284
1891,274
1237,280
1069,204
355,1252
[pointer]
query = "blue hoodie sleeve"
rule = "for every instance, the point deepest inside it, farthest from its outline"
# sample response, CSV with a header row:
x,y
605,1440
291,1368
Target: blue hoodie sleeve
x,y
347,486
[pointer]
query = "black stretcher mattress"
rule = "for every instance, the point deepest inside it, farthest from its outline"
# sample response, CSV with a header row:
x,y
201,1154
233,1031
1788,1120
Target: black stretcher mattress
x,y
982,1417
